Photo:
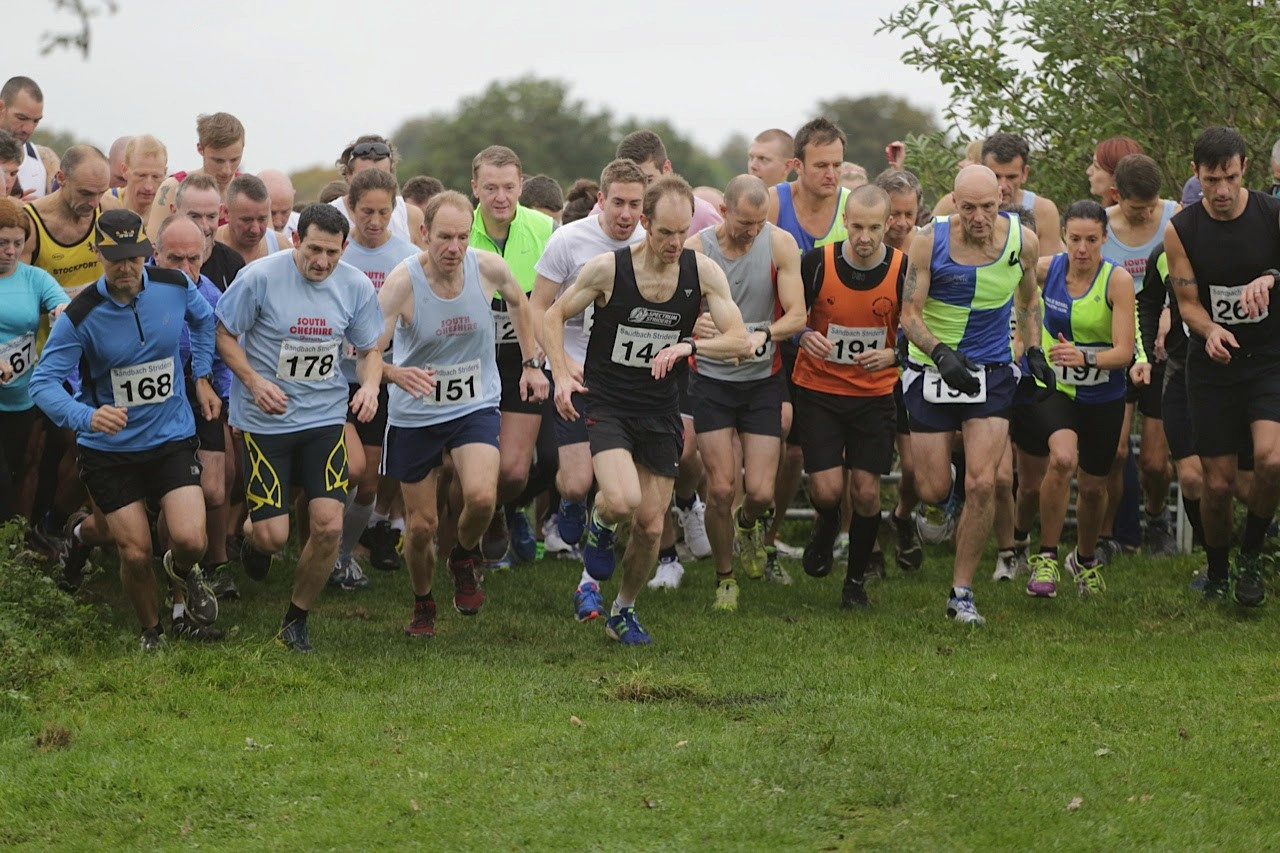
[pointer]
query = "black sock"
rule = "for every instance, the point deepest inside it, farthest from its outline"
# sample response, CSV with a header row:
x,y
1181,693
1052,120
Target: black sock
x,y
957,459
158,628
421,599
1191,509
460,553
1217,562
1051,550
827,522
741,522
294,614
1021,535
862,539
1255,532
668,554
686,503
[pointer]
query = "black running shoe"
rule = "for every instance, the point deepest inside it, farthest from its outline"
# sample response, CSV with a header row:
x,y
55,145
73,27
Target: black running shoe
x,y
293,637
186,629
382,548
876,567
1247,587
910,555
256,564
818,556
223,584
854,596
75,556
152,640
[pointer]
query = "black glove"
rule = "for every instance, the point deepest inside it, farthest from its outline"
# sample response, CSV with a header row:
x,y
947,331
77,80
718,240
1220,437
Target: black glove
x,y
956,369
1039,367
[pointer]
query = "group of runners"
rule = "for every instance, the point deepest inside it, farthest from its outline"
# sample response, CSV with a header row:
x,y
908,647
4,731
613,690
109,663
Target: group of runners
x,y
188,362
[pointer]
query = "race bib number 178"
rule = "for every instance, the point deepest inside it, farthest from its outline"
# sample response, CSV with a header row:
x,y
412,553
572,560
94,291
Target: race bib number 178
x,y
307,361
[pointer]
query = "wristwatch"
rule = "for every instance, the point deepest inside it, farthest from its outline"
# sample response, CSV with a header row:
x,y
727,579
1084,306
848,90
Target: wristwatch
x,y
1091,359
535,363
208,377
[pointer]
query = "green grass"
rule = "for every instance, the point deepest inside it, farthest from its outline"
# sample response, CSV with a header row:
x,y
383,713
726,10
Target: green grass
x,y
790,725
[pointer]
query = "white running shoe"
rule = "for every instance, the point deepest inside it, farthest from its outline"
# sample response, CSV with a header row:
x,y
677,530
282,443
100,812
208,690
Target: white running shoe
x,y
1006,566
668,575
552,544
693,521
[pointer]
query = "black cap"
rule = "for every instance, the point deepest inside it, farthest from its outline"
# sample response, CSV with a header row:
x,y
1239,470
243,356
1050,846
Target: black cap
x,y
119,234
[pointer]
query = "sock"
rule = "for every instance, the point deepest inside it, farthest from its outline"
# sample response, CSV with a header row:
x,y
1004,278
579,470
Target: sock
x,y
294,614
397,524
1217,557
962,592
354,522
376,517
179,609
1005,552
667,554
686,503
422,599
1020,536
828,521
1255,532
1157,514
600,522
1191,509
460,553
1051,550
862,539
1086,561
586,578
158,628
619,603
957,459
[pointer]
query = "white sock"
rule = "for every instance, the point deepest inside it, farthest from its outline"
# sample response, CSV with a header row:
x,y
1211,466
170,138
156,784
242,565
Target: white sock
x,y
75,531
179,609
586,578
618,604
397,524
375,517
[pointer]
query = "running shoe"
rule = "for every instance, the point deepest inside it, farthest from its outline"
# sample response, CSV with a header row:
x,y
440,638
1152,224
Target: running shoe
x,y
910,556
383,553
598,555
1107,550
187,629
1088,579
789,551
571,522
933,523
749,544
1022,555
356,574
1159,538
773,570
841,546
961,608
626,628
726,596
1006,566
338,577
75,555
524,545
502,564
876,566
468,594
496,540
669,574
1198,580
1043,582
202,603
693,521
152,640
293,636
423,623
553,545
587,603
854,595
818,556
256,564
222,582
1247,587
1216,590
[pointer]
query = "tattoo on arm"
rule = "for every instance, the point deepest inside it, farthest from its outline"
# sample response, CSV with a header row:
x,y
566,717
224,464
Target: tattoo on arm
x,y
910,285
1179,281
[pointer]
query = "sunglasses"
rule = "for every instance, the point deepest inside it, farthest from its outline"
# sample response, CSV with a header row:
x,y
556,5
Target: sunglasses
x,y
371,150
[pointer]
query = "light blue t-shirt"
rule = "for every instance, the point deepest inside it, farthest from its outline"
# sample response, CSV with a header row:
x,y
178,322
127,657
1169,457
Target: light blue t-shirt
x,y
25,295
377,264
293,331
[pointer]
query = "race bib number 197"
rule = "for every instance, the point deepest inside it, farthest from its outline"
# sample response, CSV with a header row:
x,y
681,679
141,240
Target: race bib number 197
x,y
307,361
1083,375
634,347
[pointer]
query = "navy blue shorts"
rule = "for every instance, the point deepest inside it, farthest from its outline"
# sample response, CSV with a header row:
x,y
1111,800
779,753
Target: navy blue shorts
x,y
409,454
1002,382
572,432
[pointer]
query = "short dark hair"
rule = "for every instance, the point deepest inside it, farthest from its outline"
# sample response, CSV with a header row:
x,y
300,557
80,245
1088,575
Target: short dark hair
x,y
1137,177
869,195
370,179
14,85
1087,208
10,148
900,182
581,199
326,217
642,146
74,156
420,188
819,131
1215,146
1006,147
249,186
542,192
665,186
333,190
194,181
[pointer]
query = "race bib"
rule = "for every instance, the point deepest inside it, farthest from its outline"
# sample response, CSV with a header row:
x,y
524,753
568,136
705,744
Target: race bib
x,y
849,342
142,384
1083,375
307,361
633,347
936,390
19,354
503,331
764,352
456,384
1225,306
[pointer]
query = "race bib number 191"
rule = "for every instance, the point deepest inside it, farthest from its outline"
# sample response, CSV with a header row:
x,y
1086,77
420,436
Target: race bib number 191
x,y
937,391
634,347
307,361
849,342
1227,309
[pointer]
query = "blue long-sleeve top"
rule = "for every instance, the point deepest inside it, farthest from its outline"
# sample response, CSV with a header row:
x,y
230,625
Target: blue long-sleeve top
x,y
128,357
221,373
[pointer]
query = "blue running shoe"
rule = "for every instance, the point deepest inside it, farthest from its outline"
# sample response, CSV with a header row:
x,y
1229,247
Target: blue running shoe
x,y
626,628
598,556
571,522
587,603
524,545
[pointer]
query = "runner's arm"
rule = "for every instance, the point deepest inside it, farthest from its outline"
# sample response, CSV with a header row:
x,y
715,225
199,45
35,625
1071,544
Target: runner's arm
x,y
62,352
595,281
1120,293
795,311
1026,298
915,291
732,340
1150,303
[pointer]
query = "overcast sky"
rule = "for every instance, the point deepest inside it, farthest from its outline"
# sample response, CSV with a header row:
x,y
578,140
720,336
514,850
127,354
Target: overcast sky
x,y
306,78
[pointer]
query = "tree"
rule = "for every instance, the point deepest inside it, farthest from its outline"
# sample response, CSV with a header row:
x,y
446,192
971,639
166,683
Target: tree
x,y
872,122
76,38
56,140
1068,73
733,154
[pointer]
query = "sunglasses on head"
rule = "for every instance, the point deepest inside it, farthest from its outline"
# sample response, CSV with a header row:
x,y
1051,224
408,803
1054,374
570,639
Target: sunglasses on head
x,y
371,150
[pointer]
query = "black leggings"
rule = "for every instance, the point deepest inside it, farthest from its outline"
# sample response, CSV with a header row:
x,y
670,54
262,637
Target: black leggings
x,y
15,434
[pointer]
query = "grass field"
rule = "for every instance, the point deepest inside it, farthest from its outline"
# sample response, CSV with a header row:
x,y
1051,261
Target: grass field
x,y
1142,720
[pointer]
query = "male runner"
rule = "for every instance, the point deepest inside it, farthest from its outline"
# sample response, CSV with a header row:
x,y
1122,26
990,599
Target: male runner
x,y
616,226
744,400
280,189
769,156
21,111
1223,256
446,394
967,271
63,240
647,299
197,199
146,162
220,146
293,311
133,424
248,230
115,157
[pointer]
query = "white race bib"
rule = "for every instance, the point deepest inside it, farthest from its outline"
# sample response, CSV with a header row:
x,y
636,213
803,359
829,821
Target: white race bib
x,y
764,352
936,390
19,354
456,384
142,384
1226,308
634,347
1083,375
503,331
849,342
307,361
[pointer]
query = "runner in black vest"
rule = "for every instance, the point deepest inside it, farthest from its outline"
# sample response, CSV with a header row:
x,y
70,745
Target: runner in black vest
x,y
646,299
1223,256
